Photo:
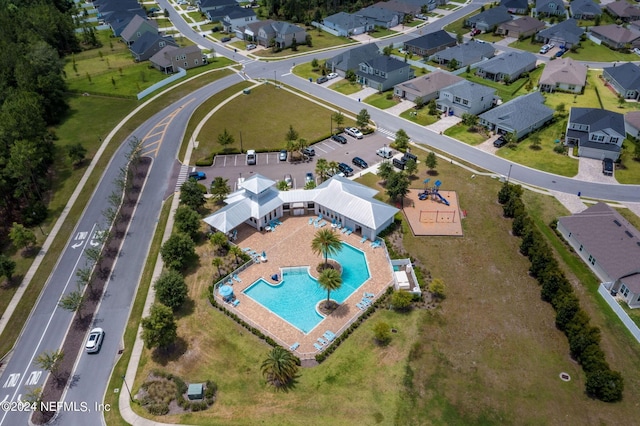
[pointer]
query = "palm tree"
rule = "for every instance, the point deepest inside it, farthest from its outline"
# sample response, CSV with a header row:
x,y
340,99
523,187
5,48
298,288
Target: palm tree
x,y
217,262
326,242
280,367
321,168
330,279
236,251
219,240
333,166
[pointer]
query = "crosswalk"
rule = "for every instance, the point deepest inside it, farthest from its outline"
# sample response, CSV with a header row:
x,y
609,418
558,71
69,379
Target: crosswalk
x,y
386,132
182,176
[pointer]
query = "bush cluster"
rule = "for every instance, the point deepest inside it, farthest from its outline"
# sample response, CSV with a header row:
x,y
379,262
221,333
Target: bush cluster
x,y
162,408
584,339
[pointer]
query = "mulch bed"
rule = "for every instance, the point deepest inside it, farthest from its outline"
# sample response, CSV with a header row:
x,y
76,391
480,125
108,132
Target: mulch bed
x,y
73,342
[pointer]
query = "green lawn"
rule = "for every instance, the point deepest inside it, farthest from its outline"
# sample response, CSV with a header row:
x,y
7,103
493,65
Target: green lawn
x,y
382,32
462,133
589,51
420,117
489,37
504,91
449,6
458,26
629,171
346,87
379,100
319,40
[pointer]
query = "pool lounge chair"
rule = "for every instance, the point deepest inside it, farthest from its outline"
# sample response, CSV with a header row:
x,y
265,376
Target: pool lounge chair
x,y
363,240
310,220
322,341
320,216
246,249
365,302
322,224
349,231
361,306
329,335
236,278
236,302
317,346
369,295
229,281
295,346
344,229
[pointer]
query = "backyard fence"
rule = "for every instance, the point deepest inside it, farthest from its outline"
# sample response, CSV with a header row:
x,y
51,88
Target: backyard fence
x,y
624,317
181,73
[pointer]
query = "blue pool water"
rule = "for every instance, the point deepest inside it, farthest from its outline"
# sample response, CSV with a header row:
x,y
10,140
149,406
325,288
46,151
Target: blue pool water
x,y
294,299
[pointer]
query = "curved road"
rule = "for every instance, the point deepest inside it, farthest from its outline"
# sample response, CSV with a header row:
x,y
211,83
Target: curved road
x,y
161,135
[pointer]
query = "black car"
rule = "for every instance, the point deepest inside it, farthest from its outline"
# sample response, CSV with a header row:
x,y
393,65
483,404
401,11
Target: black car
x,y
225,39
500,142
345,168
399,163
359,162
607,166
339,138
409,156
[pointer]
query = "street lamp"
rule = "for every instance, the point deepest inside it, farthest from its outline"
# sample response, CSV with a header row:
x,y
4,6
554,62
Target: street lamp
x,y
509,174
127,386
331,125
275,77
39,226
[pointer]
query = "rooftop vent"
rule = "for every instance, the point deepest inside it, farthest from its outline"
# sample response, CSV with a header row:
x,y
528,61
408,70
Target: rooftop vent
x,y
629,234
616,222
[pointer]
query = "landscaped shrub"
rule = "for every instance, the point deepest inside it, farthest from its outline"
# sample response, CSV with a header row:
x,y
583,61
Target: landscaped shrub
x,y
605,385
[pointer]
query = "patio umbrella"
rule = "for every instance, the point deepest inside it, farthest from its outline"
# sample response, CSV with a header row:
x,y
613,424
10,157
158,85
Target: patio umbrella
x,y
264,253
225,291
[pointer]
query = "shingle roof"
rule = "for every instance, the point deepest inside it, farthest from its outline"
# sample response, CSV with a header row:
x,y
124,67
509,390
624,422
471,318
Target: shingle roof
x,y
468,90
610,239
564,70
584,7
466,53
519,113
616,33
377,13
542,6
431,83
398,6
161,59
345,20
491,17
597,119
386,63
626,75
568,31
133,26
524,24
236,12
146,40
515,4
633,118
508,63
623,9
350,59
431,40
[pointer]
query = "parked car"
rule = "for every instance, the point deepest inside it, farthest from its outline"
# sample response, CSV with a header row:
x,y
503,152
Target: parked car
x,y
310,152
197,175
289,180
308,177
352,131
409,156
385,152
607,166
225,39
94,341
251,46
359,162
399,163
500,142
345,168
475,32
636,50
251,157
282,155
339,138
332,75
560,53
322,79
544,49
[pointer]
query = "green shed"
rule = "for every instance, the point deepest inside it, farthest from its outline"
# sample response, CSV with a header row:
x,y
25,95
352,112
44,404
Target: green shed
x,y
195,391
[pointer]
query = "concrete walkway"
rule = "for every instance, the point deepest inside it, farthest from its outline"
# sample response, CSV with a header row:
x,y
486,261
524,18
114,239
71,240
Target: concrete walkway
x,y
363,94
444,123
400,108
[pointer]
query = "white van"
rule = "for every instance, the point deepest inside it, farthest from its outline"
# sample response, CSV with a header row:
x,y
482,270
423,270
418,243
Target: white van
x,y
251,157
385,152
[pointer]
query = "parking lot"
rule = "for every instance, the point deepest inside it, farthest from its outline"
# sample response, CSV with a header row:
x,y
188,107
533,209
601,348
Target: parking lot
x,y
234,166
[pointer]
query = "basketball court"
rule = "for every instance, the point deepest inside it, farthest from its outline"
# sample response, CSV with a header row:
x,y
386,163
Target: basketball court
x,y
432,216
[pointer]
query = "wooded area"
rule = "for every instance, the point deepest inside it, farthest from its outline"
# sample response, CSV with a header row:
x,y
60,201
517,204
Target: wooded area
x,y
306,11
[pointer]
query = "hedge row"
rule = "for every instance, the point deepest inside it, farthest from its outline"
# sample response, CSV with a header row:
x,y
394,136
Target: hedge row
x,y
584,339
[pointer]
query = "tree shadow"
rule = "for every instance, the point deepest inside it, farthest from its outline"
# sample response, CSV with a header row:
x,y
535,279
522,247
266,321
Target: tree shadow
x,y
187,308
163,356
433,173
286,387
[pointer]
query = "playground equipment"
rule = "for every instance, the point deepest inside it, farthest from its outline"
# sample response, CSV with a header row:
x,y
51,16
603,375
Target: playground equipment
x,y
433,192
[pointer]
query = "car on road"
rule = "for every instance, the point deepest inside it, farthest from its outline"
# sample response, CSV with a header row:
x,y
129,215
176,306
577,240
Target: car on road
x,y
500,142
339,138
197,175
282,155
309,152
251,157
352,131
308,177
332,75
94,341
225,39
322,79
251,46
359,162
607,166
288,180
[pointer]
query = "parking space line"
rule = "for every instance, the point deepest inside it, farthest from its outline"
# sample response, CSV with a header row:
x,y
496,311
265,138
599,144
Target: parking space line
x,y
320,148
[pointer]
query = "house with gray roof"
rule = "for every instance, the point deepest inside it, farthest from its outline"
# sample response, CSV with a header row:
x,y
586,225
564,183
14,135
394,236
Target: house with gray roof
x,y
352,58
347,24
632,123
563,74
148,45
136,27
598,133
521,27
625,79
401,7
281,33
624,11
609,245
383,72
257,202
170,59
465,97
465,54
429,44
381,17
518,7
237,18
119,20
489,19
507,66
616,36
519,116
426,87
211,8
566,33
549,8
584,9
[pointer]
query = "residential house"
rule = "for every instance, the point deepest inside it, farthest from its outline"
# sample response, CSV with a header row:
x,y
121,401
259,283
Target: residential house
x,y
632,123
281,34
250,31
119,20
401,7
623,10
566,33
521,27
518,7
429,44
549,8
625,79
584,9
563,74
616,36
430,4
211,8
236,20
598,133
634,25
352,58
383,72
465,54
519,116
380,17
609,245
148,45
489,19
465,97
108,7
170,58
346,25
507,66
136,27
426,87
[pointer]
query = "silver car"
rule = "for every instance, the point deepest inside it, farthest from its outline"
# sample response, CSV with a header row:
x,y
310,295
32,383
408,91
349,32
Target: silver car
x,y
94,341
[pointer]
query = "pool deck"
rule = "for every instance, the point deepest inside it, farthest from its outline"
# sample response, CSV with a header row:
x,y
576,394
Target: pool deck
x,y
290,245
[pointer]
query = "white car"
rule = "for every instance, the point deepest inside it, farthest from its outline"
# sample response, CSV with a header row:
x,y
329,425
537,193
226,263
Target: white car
x,y
352,131
94,342
251,46
636,51
332,75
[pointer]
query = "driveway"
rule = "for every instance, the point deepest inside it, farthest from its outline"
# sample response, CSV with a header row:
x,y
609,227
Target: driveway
x,y
444,123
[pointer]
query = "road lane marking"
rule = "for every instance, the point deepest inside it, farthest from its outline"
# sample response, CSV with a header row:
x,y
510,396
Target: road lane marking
x,y
12,381
34,378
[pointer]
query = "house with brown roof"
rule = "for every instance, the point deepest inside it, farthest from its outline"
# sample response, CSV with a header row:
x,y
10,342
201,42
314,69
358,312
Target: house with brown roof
x,y
623,10
170,58
426,87
563,74
616,36
632,123
521,27
609,245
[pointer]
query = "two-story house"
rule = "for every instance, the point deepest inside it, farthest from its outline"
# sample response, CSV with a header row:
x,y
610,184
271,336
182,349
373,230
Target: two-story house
x,y
148,45
352,58
212,8
598,133
465,97
136,27
465,54
489,19
625,79
429,44
519,116
281,34
237,19
170,58
383,72
507,67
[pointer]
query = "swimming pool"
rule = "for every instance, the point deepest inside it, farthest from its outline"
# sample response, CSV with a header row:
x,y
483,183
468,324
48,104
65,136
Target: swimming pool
x,y
294,299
